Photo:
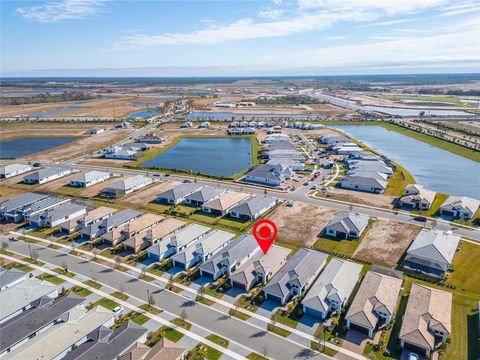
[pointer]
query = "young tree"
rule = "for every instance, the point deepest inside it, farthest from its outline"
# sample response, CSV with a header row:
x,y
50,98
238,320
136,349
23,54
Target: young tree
x,y
170,282
117,261
4,246
34,255
65,267
151,300
183,316
201,291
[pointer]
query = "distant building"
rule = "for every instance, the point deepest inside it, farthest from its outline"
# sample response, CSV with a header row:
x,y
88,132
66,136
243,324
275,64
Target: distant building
x,y
253,207
368,184
151,139
57,215
12,170
94,131
178,194
417,197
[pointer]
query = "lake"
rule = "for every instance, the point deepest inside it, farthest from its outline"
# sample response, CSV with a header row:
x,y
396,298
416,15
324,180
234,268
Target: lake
x,y
57,111
209,156
227,115
416,112
143,113
432,167
19,147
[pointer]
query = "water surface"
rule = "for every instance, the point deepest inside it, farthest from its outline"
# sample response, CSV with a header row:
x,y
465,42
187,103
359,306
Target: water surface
x,y
210,156
436,169
416,112
19,147
58,111
143,113
227,115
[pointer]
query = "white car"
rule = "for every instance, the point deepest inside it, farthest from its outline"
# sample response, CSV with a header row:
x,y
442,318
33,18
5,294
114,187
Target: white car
x,y
413,356
118,310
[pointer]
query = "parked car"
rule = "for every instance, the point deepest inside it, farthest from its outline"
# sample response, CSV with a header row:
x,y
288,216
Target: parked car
x,y
413,356
420,218
118,310
156,174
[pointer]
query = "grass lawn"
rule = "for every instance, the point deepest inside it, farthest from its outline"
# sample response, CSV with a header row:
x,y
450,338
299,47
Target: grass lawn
x,y
346,247
182,323
202,351
439,200
80,291
238,314
290,319
150,309
120,295
62,272
146,277
209,290
106,303
51,278
69,190
278,331
21,267
255,356
204,300
466,274
167,332
218,340
43,233
93,284
160,269
34,262
397,182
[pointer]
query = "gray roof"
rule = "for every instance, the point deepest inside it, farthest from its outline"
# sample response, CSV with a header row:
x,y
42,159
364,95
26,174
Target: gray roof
x,y
189,234
180,191
90,176
21,295
35,318
47,172
236,251
253,205
128,183
107,344
9,276
365,181
59,212
348,221
10,168
461,202
335,283
205,194
264,172
298,270
112,222
48,202
21,201
435,245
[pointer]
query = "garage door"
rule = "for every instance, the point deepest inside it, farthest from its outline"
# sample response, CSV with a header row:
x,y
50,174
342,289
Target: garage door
x,y
274,298
417,349
238,285
359,328
314,312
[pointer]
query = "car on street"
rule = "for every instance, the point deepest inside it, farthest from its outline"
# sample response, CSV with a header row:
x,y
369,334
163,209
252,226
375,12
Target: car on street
x,y
420,218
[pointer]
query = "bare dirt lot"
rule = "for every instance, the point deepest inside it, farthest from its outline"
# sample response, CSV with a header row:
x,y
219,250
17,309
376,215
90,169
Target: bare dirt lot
x,y
363,198
385,243
302,223
94,190
143,197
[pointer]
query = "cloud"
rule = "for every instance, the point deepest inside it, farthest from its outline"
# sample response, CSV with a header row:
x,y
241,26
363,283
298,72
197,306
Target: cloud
x,y
55,11
389,7
244,29
271,14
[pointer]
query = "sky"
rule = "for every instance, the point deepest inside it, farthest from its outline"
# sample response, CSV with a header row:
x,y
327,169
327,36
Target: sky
x,y
238,38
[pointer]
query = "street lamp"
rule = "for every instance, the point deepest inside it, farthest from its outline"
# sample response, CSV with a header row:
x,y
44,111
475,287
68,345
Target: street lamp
x,y
30,251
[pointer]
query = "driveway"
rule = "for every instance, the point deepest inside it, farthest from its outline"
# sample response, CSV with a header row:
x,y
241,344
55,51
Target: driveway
x,y
354,341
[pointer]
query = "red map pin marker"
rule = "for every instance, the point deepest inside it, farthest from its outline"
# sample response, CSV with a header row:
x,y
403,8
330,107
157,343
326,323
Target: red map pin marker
x,y
265,232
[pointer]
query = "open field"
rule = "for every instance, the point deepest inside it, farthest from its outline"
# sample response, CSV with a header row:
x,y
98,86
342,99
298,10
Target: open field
x,y
385,243
142,197
301,224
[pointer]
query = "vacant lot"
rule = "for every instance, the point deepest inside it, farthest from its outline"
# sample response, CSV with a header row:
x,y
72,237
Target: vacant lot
x,y
94,190
302,223
143,197
386,241
359,197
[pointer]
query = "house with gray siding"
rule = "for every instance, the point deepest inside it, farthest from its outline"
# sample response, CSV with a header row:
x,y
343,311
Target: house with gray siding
x,y
90,178
253,207
12,170
432,252
417,197
99,228
296,276
459,207
368,184
332,289
43,176
126,186
201,196
12,209
230,257
57,215
347,225
178,193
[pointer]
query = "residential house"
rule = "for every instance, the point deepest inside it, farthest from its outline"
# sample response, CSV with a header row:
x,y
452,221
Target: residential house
x,y
24,326
11,277
367,184
222,204
347,225
296,276
432,252
368,174
105,343
95,215
230,258
164,349
329,140
259,268
151,139
417,197
99,228
177,194
332,289
375,166
253,207
43,176
57,215
11,209
89,178
132,228
126,186
204,194
427,322
21,297
375,302
293,165
202,249
94,131
270,175
459,207
177,242
151,236
59,339
12,170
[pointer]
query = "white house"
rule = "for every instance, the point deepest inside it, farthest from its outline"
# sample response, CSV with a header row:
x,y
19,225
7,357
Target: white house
x,y
12,170
460,207
90,178
45,175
